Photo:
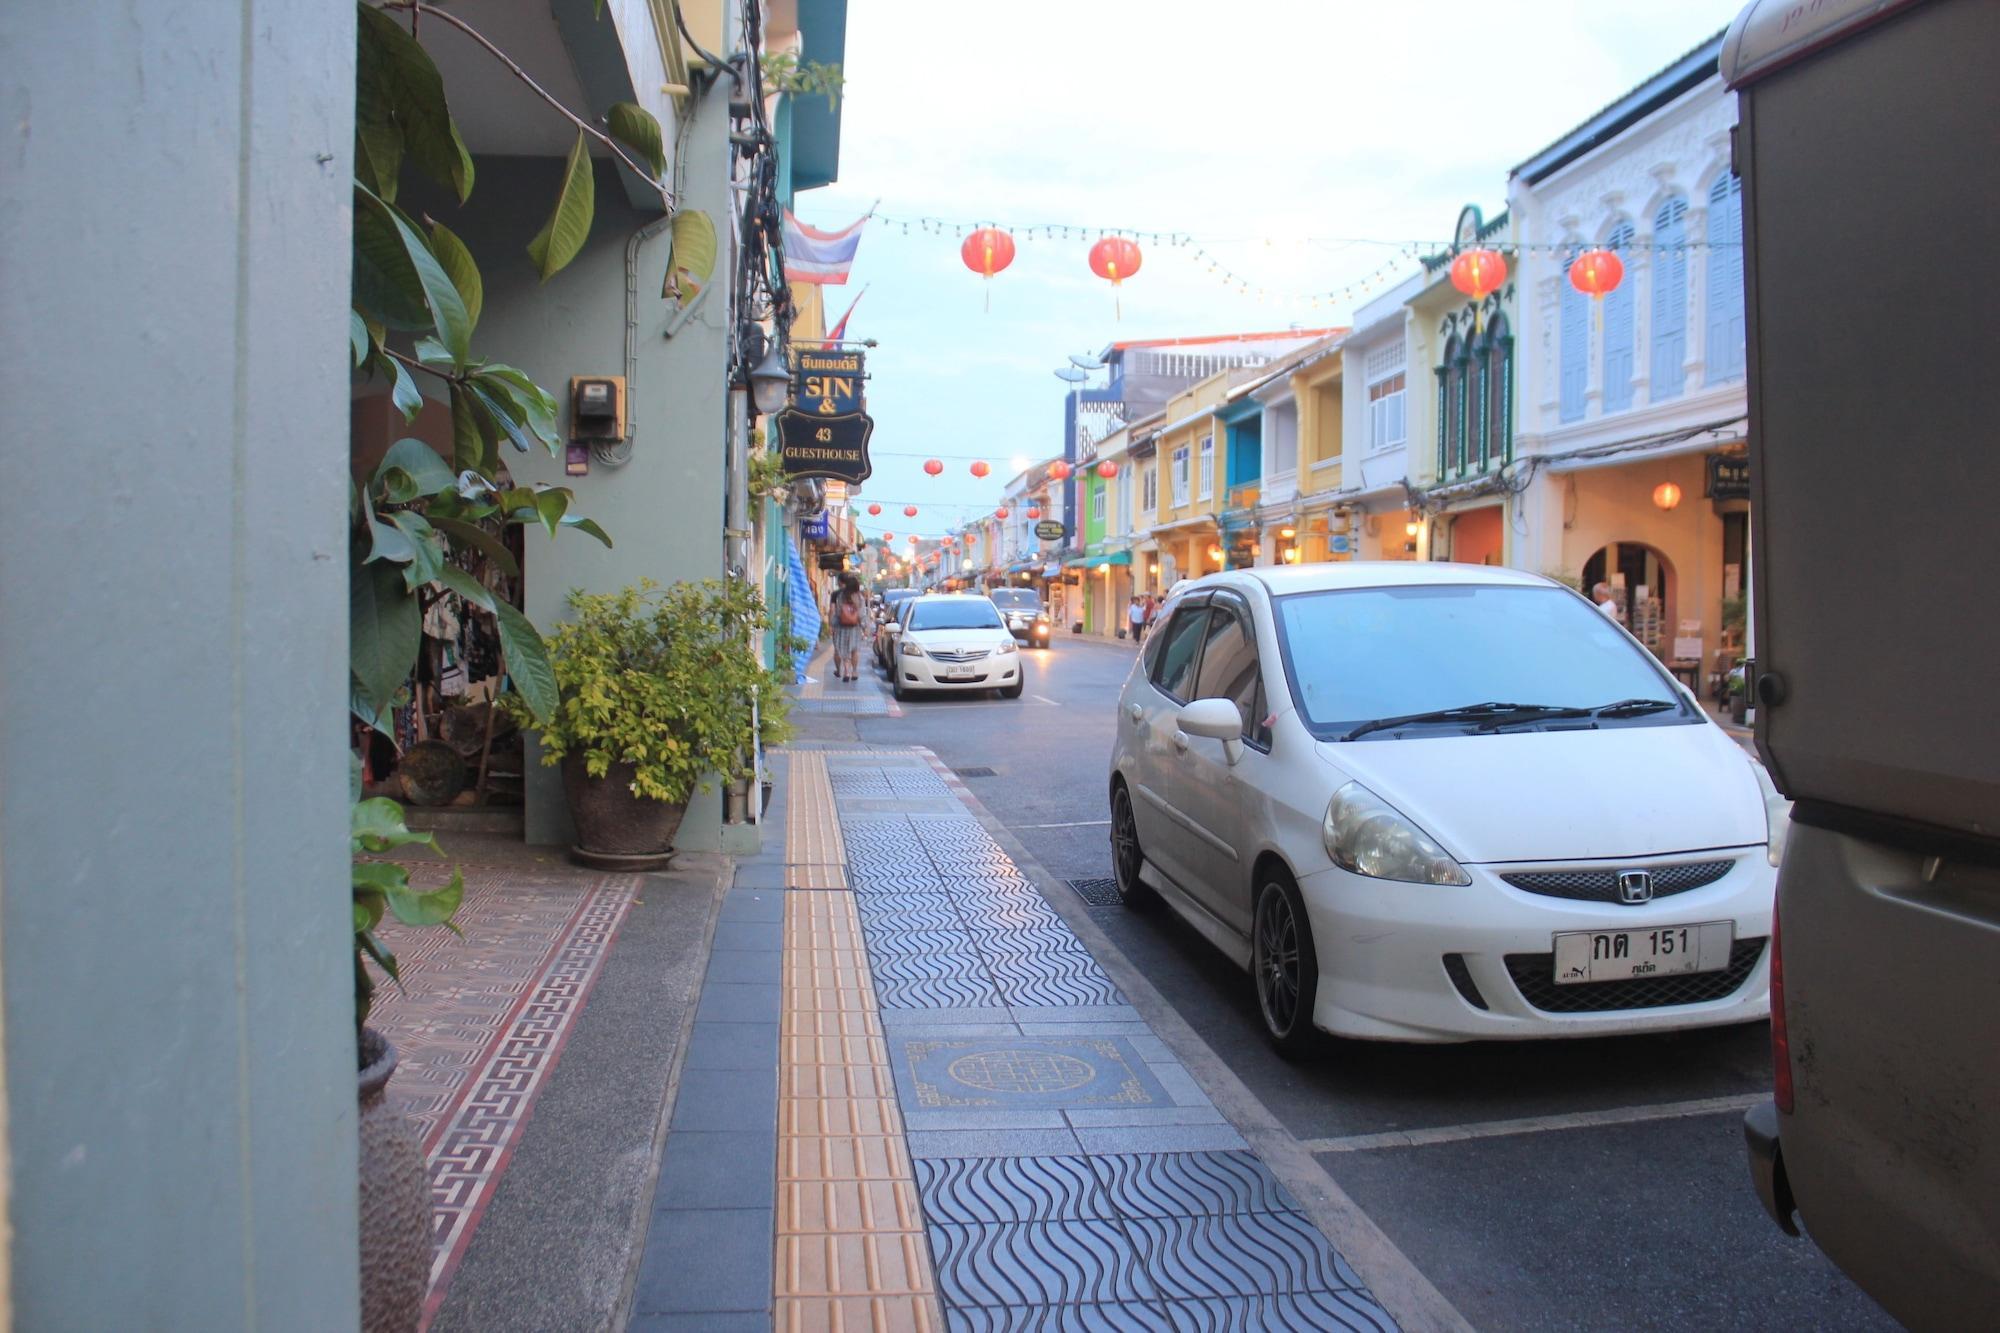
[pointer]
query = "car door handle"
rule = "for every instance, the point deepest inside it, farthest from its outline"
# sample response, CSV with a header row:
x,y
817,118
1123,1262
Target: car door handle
x,y
1181,741
1134,712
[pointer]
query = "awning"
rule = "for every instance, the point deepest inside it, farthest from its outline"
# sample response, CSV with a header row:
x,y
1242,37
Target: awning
x,y
1023,566
1098,561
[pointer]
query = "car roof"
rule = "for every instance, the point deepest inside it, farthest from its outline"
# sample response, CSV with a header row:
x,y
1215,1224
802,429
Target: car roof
x,y
1279,580
959,597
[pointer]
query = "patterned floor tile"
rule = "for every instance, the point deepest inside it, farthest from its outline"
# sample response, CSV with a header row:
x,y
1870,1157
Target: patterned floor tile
x,y
1107,1317
1008,1072
1036,1263
954,941
1073,989
1190,1184
976,1190
1333,1311
1240,1254
975,991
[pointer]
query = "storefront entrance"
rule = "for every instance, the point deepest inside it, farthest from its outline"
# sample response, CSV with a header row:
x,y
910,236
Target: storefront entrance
x,y
1642,581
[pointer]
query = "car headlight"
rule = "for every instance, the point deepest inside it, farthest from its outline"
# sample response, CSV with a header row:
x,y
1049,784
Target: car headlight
x,y
1366,835
1777,815
912,649
1007,647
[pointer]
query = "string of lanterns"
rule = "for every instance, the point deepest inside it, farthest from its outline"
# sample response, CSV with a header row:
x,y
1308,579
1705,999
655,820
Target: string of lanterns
x,y
988,249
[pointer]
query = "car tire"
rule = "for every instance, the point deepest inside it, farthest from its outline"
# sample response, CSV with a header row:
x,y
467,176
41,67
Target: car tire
x,y
1126,854
1013,691
1284,966
896,690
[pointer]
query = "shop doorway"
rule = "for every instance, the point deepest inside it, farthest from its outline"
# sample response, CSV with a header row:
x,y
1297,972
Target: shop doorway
x,y
1642,581
1476,536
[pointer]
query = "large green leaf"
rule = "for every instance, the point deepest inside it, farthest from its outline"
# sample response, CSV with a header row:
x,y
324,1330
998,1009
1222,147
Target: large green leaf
x,y
357,338
527,661
466,586
457,261
386,287
634,126
403,390
433,907
403,75
535,407
582,524
472,442
563,235
412,468
479,539
507,417
693,261
383,629
376,825
385,540
418,265
426,548
551,505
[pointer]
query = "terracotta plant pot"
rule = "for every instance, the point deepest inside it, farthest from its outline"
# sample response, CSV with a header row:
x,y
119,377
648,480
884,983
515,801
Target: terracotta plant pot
x,y
395,1201
616,830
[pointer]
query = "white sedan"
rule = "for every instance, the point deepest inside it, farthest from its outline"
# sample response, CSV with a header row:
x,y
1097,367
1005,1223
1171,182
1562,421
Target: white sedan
x,y
956,642
1432,802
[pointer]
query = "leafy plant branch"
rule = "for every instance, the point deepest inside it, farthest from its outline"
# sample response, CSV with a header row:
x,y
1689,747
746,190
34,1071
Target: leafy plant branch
x,y
787,73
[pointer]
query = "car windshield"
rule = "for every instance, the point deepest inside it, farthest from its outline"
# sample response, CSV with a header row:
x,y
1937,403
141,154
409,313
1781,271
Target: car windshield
x,y
1017,599
972,613
1357,656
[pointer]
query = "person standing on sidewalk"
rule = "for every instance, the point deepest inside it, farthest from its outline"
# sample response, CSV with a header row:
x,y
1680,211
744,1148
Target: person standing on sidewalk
x,y
1135,616
845,614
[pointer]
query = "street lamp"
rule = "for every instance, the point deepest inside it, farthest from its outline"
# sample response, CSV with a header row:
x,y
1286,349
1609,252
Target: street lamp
x,y
770,383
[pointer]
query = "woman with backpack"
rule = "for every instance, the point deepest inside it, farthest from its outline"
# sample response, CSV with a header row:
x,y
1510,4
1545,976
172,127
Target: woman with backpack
x,y
847,612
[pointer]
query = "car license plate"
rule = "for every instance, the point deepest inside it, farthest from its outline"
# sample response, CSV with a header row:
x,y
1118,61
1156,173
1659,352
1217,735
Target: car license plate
x,y
959,673
1620,955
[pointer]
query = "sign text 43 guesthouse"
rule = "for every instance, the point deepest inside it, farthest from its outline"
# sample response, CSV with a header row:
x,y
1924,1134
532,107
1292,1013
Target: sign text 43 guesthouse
x,y
824,433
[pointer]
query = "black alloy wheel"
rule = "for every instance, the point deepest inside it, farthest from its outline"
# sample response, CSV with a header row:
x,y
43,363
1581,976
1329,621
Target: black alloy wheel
x,y
1284,966
1125,854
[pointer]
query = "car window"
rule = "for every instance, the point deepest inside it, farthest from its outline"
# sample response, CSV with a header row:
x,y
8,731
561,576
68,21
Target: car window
x,y
1017,599
1356,655
1173,668
1229,669
972,613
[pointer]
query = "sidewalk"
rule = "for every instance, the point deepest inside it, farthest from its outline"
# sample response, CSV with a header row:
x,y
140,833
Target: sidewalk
x,y
913,1100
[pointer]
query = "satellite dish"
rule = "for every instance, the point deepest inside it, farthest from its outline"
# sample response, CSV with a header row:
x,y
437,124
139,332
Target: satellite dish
x,y
1073,376
1085,362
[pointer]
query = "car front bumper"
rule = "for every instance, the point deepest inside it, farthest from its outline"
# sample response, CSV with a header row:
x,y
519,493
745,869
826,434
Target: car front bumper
x,y
1430,963
992,672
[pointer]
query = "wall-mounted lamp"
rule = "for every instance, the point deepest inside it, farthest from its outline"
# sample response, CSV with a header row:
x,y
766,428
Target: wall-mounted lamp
x,y
1410,530
1287,533
1666,495
770,383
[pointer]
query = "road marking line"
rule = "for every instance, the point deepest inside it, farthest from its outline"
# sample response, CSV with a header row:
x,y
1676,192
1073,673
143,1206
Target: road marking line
x,y
1079,823
1045,699
1493,1129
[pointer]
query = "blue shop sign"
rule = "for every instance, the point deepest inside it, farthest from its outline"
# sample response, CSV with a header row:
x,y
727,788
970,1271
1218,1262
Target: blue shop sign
x,y
817,528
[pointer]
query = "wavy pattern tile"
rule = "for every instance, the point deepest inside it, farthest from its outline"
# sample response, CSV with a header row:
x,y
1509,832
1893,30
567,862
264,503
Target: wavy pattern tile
x,y
1037,1263
1238,1254
1108,1318
1190,1184
974,1190
1334,1311
964,992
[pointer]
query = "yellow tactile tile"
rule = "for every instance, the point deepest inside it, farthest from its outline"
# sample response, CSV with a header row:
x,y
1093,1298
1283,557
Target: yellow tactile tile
x,y
812,829
853,1263
843,1157
858,1314
829,1023
834,1051
819,1206
839,1115
837,1080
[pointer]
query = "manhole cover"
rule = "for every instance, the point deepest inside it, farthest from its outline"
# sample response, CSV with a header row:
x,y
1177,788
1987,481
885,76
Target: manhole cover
x,y
1096,892
975,772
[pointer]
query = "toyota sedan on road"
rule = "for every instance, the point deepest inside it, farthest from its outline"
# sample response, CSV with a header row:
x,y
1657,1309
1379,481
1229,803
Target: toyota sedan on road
x,y
1432,802
955,642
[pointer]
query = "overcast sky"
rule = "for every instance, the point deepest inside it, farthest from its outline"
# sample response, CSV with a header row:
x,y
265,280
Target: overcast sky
x,y
1283,136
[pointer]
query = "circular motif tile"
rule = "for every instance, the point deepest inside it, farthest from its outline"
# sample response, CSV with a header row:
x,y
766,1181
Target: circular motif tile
x,y
1021,1071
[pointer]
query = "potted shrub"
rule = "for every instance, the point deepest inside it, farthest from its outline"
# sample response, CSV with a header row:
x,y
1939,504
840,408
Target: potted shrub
x,y
656,688
395,1193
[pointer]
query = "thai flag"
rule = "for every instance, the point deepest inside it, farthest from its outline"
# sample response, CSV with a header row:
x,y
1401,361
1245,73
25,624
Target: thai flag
x,y
812,255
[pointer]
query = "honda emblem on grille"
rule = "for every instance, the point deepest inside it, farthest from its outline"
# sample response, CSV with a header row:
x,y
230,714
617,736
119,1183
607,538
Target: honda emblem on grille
x,y
1635,886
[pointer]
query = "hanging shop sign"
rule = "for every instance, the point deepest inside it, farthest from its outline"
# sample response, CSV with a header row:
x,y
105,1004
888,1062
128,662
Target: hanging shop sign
x,y
827,384
817,446
1728,477
816,528
832,561
1050,530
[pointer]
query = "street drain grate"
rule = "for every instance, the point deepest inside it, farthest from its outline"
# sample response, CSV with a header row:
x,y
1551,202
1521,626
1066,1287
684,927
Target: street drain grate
x,y
1096,892
976,772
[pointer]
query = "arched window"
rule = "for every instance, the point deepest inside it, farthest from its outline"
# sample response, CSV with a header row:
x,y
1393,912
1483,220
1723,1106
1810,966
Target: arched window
x,y
1451,409
1498,445
1724,352
1618,330
1670,299
1574,358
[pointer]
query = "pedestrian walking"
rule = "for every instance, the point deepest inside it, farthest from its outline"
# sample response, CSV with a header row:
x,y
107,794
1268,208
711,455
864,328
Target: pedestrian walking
x,y
1149,610
1135,617
844,613
1607,602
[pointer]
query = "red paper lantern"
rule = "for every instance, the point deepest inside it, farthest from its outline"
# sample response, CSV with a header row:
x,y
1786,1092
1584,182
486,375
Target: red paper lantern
x,y
888,537
1033,512
980,467
1001,512
986,252
1115,259
1107,469
1596,273
909,511
933,467
873,510
1059,471
1478,273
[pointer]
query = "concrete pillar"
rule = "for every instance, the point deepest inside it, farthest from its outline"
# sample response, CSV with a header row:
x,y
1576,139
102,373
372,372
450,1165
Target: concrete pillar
x,y
180,1056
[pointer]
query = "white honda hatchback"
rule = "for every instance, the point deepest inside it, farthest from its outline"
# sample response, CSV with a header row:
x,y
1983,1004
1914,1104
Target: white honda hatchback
x,y
1434,802
955,642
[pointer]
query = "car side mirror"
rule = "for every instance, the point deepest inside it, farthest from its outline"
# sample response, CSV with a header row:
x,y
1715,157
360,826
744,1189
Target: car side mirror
x,y
1217,720
894,627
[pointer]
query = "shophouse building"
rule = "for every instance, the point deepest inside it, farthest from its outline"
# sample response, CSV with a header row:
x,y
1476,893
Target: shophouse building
x,y
1633,411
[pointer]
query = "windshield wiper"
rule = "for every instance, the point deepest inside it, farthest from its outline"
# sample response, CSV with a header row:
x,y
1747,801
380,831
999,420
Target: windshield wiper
x,y
1489,714
1633,708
